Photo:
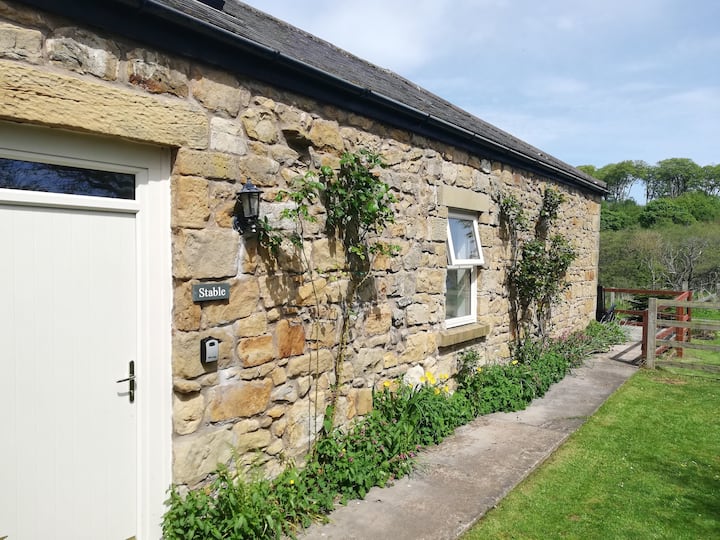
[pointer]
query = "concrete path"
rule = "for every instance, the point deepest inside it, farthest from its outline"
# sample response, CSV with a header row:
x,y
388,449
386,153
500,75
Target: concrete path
x,y
461,479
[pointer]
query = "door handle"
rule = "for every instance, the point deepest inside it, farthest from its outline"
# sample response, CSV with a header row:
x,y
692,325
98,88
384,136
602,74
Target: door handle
x,y
130,379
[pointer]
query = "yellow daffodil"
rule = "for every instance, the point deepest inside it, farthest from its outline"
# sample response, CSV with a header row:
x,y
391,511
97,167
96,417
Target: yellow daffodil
x,y
292,481
514,362
444,376
430,377
446,389
386,384
422,379
436,391
479,369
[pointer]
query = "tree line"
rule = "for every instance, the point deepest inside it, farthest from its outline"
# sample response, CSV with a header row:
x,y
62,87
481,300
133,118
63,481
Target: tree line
x,y
674,238
667,178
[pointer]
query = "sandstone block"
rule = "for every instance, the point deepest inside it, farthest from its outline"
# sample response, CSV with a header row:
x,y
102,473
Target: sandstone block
x,y
324,334
227,136
304,384
363,401
253,325
157,73
256,440
326,134
336,291
278,426
52,99
328,254
285,393
186,313
246,426
438,229
184,386
278,376
417,314
430,281
188,412
205,254
378,320
260,125
190,202
390,359
243,301
309,294
292,118
368,360
274,448
256,350
290,339
196,456
262,170
240,400
17,43
28,16
303,425
220,92
315,362
418,347
206,164
81,51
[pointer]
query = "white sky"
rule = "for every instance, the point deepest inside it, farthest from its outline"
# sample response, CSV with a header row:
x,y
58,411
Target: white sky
x,y
588,81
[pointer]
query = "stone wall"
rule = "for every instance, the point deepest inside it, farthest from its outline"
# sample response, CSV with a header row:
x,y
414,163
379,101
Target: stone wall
x,y
267,394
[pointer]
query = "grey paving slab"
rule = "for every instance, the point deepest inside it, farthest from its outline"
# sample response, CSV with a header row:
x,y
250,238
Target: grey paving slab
x,y
458,481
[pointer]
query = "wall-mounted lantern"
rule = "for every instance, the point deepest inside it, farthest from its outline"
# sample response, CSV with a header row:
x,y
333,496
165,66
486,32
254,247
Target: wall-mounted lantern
x,y
247,209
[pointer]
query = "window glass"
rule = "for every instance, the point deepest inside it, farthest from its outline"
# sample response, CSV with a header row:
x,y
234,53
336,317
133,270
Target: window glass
x,y
458,302
33,176
464,241
464,244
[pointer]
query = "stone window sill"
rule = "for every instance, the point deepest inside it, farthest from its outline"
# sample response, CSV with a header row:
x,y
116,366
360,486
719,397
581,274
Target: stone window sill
x,y
461,334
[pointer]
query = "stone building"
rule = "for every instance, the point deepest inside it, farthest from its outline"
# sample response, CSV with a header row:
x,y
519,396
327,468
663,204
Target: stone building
x,y
126,130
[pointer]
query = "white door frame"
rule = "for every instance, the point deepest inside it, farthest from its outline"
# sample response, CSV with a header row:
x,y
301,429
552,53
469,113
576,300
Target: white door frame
x,y
153,243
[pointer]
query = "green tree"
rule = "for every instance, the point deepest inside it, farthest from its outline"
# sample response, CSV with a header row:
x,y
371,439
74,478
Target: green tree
x,y
663,212
703,207
672,177
710,183
616,216
619,177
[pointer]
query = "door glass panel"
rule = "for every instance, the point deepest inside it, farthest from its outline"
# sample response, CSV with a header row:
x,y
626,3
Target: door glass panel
x,y
33,176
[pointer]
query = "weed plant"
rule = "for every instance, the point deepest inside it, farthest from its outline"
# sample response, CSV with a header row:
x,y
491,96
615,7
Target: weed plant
x,y
380,447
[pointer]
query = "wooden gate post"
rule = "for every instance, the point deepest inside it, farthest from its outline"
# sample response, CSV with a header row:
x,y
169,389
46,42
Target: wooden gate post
x,y
651,333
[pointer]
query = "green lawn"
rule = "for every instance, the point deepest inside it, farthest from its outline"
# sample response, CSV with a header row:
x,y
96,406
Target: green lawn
x,y
647,465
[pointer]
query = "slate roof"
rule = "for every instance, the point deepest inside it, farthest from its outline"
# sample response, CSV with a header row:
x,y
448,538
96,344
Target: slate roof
x,y
245,40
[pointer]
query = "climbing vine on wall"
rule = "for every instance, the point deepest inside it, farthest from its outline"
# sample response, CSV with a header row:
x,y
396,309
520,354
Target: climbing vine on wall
x,y
358,206
538,262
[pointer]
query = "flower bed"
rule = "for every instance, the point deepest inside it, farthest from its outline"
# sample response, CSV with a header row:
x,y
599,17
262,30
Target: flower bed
x,y
381,446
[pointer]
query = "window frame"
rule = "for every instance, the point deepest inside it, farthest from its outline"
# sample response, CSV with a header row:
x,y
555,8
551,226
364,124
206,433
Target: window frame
x,y
452,260
471,264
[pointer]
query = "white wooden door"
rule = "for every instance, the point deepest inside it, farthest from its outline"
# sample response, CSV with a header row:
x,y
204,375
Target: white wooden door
x,y
68,324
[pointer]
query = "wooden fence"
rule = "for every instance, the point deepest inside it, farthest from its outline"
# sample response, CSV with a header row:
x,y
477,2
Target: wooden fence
x,y
681,314
677,337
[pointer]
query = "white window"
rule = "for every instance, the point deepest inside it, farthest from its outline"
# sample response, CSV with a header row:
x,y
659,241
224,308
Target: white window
x,y
464,256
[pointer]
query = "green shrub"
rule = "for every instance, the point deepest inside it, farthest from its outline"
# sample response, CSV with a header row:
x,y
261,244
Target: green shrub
x,y
380,447
229,507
